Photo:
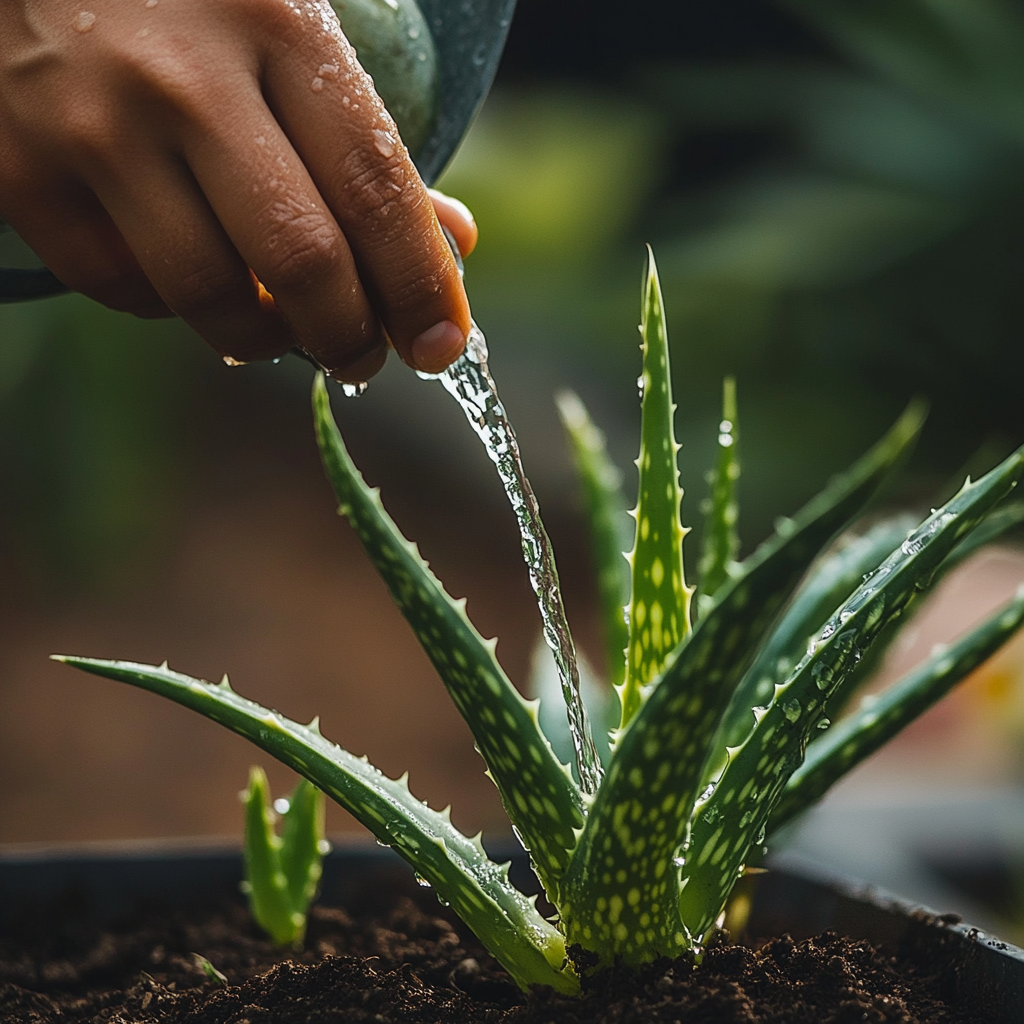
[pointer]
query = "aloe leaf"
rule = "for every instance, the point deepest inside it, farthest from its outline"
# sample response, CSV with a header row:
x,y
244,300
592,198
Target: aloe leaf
x,y
539,794
611,533
721,542
476,888
837,575
731,819
639,818
302,844
659,606
995,524
858,736
269,900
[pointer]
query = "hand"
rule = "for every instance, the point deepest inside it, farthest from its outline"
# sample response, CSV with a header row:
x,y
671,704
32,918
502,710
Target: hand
x,y
195,158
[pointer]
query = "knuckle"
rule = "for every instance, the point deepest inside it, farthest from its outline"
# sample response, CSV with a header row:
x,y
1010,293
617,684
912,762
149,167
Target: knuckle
x,y
89,132
374,188
301,251
204,290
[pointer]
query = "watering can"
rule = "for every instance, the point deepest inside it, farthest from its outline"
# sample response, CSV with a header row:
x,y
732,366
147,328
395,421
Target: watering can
x,y
432,62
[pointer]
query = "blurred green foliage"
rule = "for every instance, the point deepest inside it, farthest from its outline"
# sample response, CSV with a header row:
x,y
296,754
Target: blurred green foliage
x,y
89,435
884,233
874,248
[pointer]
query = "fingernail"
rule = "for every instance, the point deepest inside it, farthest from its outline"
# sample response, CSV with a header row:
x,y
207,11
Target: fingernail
x,y
363,368
456,204
437,348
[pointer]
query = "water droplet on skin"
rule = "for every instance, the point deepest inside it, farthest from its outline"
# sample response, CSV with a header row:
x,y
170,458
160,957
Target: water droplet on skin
x,y
84,21
317,85
328,70
282,805
346,101
151,3
229,361
384,143
142,33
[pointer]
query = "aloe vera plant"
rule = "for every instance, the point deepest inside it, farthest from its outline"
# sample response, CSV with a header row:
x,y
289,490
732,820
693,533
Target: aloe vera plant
x,y
282,872
718,740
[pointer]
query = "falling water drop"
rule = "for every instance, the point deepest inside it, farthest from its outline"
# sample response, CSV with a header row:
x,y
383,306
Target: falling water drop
x,y
354,390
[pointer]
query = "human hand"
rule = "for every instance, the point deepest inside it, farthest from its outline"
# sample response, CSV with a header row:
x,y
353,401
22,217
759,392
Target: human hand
x,y
153,151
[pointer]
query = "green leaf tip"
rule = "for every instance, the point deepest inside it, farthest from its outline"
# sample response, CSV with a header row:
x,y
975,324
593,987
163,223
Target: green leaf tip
x,y
659,605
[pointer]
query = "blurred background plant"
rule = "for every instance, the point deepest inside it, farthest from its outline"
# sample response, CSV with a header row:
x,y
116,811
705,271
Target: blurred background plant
x,y
835,190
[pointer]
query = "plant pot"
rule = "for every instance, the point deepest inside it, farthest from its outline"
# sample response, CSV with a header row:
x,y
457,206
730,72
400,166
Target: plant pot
x,y
107,883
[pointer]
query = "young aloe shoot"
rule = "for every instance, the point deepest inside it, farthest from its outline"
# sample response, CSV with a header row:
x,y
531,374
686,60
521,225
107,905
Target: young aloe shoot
x,y
282,872
717,743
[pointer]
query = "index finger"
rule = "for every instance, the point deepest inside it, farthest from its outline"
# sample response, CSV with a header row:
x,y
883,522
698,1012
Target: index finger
x,y
350,146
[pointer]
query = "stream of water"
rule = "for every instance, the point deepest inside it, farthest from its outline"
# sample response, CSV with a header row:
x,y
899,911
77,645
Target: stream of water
x,y
468,380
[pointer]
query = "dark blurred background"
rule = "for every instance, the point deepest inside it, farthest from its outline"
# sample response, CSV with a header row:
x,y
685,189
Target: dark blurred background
x,y
836,198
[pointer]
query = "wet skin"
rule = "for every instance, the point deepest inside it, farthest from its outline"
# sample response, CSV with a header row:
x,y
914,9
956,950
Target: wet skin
x,y
231,164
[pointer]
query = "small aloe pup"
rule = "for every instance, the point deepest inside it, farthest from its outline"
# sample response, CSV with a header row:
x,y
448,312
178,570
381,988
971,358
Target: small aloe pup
x,y
719,737
282,872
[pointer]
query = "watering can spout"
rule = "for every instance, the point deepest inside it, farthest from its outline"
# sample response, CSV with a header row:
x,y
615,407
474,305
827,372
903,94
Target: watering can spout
x,y
432,62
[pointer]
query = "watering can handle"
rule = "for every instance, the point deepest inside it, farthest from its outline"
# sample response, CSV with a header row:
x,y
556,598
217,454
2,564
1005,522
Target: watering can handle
x,y
469,37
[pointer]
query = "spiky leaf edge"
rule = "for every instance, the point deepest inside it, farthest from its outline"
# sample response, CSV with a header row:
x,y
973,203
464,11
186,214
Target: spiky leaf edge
x,y
476,888
537,791
642,812
733,818
865,731
659,603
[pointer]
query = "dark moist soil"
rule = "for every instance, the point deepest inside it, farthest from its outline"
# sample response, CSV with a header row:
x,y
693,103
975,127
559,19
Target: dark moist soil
x,y
410,964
